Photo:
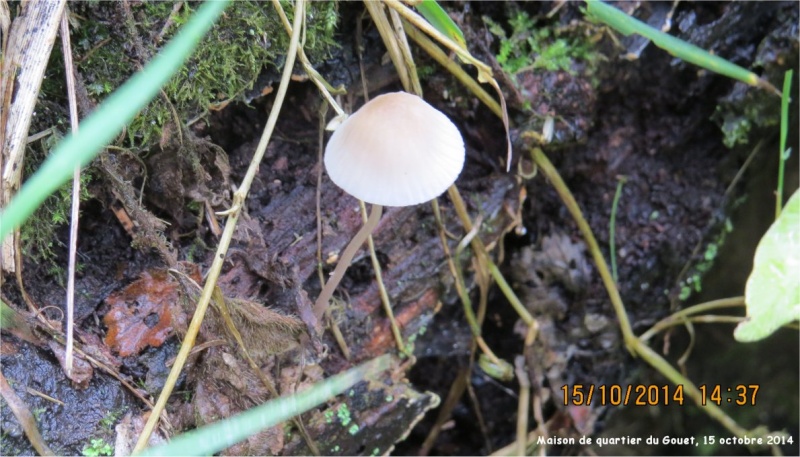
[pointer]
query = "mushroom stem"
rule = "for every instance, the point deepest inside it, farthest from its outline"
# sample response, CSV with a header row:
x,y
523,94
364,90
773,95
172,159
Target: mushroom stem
x,y
344,261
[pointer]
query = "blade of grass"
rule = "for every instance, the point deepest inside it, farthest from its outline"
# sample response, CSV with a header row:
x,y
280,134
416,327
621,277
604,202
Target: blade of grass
x,y
784,154
213,438
612,227
675,46
109,119
441,21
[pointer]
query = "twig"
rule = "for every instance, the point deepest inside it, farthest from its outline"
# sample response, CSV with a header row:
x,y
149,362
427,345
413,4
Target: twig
x,y
323,86
387,304
27,50
461,289
480,250
484,71
337,333
523,404
680,316
378,14
76,190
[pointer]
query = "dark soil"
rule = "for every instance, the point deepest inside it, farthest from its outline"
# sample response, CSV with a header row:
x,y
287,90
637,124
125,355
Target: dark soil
x,y
653,120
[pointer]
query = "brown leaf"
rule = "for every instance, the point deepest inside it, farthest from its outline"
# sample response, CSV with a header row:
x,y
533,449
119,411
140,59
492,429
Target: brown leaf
x,y
141,314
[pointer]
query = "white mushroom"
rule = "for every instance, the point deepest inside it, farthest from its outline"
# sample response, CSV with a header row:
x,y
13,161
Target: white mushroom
x,y
397,150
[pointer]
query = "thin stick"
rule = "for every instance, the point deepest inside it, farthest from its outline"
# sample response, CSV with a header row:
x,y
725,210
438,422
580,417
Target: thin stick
x,y
484,71
227,234
337,333
76,191
387,304
682,315
523,404
408,59
632,343
344,261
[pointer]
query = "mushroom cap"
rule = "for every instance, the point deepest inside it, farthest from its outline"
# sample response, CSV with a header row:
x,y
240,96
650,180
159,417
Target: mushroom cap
x,y
397,150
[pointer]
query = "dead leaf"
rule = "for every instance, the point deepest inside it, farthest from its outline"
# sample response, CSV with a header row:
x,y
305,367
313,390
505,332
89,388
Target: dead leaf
x,y
226,386
141,314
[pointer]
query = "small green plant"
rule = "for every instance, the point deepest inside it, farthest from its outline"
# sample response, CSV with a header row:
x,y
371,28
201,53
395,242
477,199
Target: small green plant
x,y
112,417
531,47
694,283
97,447
37,413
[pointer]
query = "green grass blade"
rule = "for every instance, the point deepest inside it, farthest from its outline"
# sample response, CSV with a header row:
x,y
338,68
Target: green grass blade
x,y
440,20
784,154
675,46
220,435
108,120
612,227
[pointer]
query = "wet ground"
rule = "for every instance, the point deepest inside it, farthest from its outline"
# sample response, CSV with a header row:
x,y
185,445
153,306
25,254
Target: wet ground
x,y
649,120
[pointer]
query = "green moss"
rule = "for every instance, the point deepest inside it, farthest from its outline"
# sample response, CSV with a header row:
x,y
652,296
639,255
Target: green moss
x,y
248,38
97,447
741,113
735,130
38,234
343,413
694,282
531,46
110,419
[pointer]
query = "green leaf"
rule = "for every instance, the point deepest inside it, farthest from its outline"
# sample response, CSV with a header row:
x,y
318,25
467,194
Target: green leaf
x,y
773,290
439,19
